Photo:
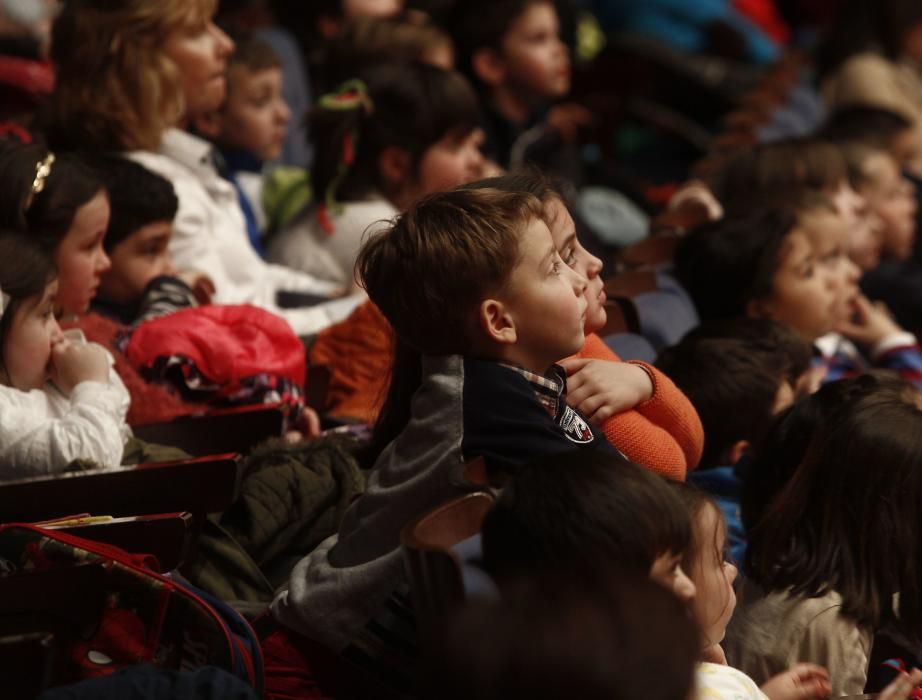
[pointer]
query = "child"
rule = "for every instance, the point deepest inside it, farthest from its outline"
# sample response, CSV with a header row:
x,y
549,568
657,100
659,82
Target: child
x,y
250,127
142,281
381,143
897,280
737,374
513,49
831,510
637,407
474,377
62,203
60,400
178,56
581,511
767,266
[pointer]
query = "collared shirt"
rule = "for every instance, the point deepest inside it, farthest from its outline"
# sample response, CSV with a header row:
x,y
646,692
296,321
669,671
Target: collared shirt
x,y
550,388
209,235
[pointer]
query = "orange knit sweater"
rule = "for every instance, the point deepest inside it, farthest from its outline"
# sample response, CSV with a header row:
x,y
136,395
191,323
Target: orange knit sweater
x,y
663,433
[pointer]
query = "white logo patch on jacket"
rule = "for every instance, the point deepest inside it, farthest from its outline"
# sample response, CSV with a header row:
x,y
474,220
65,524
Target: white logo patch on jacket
x,y
575,428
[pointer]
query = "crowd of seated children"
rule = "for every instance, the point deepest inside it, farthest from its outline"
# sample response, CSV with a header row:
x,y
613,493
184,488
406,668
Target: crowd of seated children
x,y
737,374
637,523
140,210
380,143
770,266
830,508
474,376
249,127
652,424
151,75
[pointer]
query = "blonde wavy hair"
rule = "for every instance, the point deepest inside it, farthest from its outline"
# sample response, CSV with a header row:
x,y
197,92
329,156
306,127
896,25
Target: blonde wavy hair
x,y
116,88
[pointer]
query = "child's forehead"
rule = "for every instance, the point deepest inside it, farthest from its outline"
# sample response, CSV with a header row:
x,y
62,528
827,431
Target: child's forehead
x,y
241,74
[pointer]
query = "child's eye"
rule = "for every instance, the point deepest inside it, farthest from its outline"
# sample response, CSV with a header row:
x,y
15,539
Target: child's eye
x,y
569,256
555,268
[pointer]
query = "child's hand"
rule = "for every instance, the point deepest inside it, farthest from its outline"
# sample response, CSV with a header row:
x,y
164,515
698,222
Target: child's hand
x,y
901,686
202,285
567,119
871,323
72,363
600,388
800,682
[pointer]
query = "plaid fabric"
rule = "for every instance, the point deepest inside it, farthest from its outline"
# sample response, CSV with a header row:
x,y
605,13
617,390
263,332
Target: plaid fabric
x,y
550,388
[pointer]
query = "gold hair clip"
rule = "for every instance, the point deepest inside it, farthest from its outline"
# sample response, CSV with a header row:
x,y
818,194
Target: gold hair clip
x,y
42,171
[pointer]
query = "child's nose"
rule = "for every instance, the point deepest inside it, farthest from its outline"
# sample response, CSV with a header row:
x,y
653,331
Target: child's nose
x,y
103,264
57,335
594,267
284,111
732,572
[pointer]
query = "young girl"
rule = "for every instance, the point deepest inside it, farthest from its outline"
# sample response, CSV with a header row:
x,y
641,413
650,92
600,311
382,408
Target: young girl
x,y
61,203
831,506
59,399
381,143
150,69
634,523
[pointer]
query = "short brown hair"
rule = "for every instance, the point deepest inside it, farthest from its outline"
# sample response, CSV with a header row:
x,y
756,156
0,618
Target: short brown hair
x,y
430,270
252,53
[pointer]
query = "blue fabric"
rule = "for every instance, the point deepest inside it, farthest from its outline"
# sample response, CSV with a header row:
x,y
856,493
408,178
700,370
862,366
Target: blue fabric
x,y
725,485
149,683
233,163
682,24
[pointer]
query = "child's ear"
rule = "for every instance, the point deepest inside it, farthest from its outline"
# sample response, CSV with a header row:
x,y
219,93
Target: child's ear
x,y
208,125
395,167
489,66
496,322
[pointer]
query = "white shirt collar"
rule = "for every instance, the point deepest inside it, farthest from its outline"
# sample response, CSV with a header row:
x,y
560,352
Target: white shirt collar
x,y
189,150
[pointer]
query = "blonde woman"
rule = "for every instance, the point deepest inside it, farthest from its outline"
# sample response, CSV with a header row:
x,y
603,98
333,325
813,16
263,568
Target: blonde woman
x,y
130,77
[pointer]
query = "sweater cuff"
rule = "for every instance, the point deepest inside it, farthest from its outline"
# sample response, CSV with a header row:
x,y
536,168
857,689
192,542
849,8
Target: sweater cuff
x,y
891,342
651,374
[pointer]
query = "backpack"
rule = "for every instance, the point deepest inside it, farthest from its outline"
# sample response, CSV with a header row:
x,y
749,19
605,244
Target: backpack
x,y
147,617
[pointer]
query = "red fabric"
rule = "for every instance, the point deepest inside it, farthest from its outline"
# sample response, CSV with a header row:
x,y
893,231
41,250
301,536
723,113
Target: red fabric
x,y
226,343
289,667
765,15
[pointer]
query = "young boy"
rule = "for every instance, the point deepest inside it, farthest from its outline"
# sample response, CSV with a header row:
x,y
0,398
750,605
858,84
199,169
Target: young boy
x,y
738,374
142,282
482,305
772,265
249,130
513,50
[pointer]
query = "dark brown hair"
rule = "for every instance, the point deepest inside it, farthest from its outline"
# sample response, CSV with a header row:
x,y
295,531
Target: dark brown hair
x,y
48,217
831,502
731,371
25,270
580,509
776,174
568,635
